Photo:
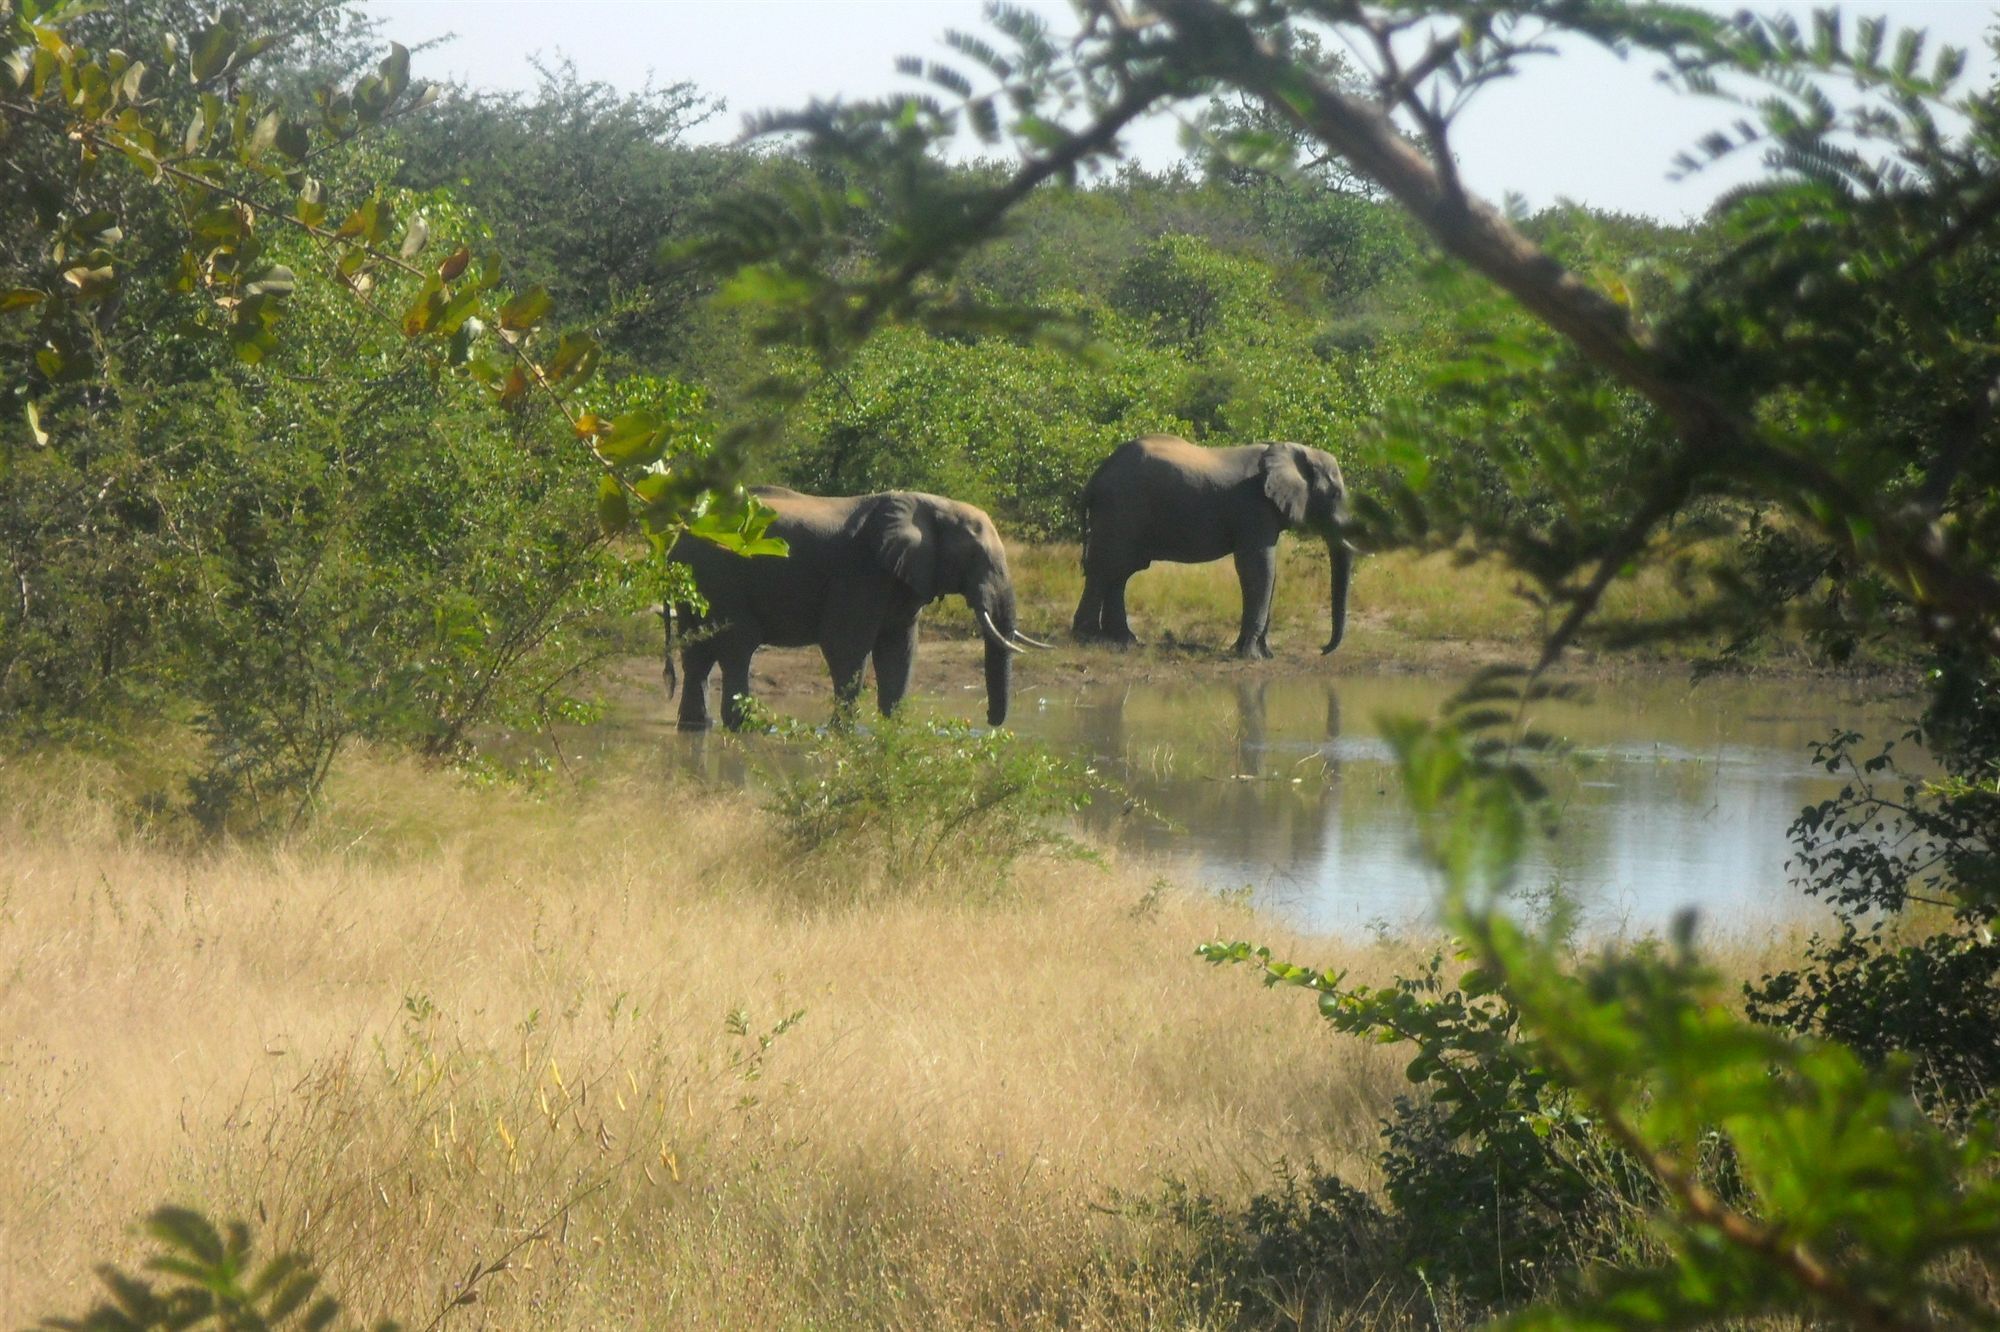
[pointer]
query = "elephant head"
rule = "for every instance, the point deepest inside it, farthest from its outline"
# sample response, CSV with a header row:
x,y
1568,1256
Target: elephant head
x,y
937,548
1305,487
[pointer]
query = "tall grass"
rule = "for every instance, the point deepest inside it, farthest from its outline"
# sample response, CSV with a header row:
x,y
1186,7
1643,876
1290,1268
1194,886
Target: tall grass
x,y
604,1031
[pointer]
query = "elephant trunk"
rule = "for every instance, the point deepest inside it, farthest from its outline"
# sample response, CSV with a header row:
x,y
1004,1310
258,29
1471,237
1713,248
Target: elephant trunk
x,y
1341,556
996,626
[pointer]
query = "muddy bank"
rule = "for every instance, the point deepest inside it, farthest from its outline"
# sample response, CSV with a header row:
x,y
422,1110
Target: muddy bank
x,y
948,662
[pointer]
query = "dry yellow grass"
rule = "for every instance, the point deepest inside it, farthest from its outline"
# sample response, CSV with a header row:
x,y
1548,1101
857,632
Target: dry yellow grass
x,y
406,1039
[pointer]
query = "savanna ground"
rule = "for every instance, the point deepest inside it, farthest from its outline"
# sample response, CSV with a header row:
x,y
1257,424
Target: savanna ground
x,y
620,1036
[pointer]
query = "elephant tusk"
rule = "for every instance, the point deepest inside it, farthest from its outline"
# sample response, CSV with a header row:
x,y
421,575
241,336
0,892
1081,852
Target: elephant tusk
x,y
1020,637
993,634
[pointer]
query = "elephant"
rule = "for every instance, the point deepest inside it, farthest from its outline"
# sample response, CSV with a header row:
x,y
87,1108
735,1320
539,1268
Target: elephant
x,y
1161,498
858,571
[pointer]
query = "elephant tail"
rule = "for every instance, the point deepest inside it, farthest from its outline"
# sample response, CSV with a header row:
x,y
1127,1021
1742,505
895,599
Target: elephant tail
x,y
1085,505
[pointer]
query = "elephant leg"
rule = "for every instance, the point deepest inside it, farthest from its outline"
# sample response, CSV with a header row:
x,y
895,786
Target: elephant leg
x,y
1257,574
895,663
1116,629
1089,619
697,660
736,683
844,662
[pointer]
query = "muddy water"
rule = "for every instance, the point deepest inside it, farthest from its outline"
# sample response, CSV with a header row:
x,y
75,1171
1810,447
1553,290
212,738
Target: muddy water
x,y
1284,787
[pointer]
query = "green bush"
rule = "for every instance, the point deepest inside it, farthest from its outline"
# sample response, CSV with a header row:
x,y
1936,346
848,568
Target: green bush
x,y
1495,1178
916,797
1900,990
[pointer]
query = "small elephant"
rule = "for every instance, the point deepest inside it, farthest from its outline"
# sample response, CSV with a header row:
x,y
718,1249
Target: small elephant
x,y
1162,498
858,570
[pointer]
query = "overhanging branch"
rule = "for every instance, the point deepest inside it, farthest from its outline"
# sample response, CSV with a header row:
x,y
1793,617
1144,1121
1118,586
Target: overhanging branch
x,y
1717,435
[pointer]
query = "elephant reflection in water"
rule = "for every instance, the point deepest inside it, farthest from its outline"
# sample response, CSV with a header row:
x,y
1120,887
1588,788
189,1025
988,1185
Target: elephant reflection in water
x,y
719,760
1252,744
1234,791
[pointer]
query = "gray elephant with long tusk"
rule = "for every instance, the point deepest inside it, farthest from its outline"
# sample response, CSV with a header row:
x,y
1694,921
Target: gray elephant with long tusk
x,y
1162,498
858,571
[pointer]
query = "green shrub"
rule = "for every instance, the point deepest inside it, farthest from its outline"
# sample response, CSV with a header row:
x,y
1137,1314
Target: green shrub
x,y
915,797
1899,990
1494,1176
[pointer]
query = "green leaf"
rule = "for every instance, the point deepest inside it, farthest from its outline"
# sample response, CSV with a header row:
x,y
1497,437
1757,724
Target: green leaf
x,y
216,46
739,529
17,298
226,223
293,140
187,1230
525,309
311,207
423,312
395,70
634,439
277,280
415,238
457,310
614,513
264,137
576,356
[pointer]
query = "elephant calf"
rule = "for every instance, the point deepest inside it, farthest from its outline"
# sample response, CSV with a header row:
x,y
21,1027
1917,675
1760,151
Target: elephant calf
x,y
1162,498
858,570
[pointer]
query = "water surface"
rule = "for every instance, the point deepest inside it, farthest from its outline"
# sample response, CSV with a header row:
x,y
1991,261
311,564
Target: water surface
x,y
1285,787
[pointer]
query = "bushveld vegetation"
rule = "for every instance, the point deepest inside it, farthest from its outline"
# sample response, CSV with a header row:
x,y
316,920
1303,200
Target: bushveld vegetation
x,y
347,430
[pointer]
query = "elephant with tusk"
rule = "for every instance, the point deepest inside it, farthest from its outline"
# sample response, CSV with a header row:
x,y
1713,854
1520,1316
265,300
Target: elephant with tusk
x,y
1162,498
857,572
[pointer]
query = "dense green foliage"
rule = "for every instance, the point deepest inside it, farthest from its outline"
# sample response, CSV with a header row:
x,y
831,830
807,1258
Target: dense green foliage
x,y
580,186
1917,994
1493,1173
289,511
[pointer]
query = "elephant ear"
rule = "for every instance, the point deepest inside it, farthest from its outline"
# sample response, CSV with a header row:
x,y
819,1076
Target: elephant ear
x,y
1284,485
899,534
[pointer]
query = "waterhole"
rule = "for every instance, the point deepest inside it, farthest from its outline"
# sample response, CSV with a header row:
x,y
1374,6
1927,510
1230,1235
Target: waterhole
x,y
1676,797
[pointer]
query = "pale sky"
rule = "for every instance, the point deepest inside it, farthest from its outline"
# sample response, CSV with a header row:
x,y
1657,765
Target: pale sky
x,y
1582,126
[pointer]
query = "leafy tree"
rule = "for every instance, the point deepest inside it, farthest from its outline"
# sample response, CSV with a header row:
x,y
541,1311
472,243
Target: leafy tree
x,y
582,187
1897,993
292,510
